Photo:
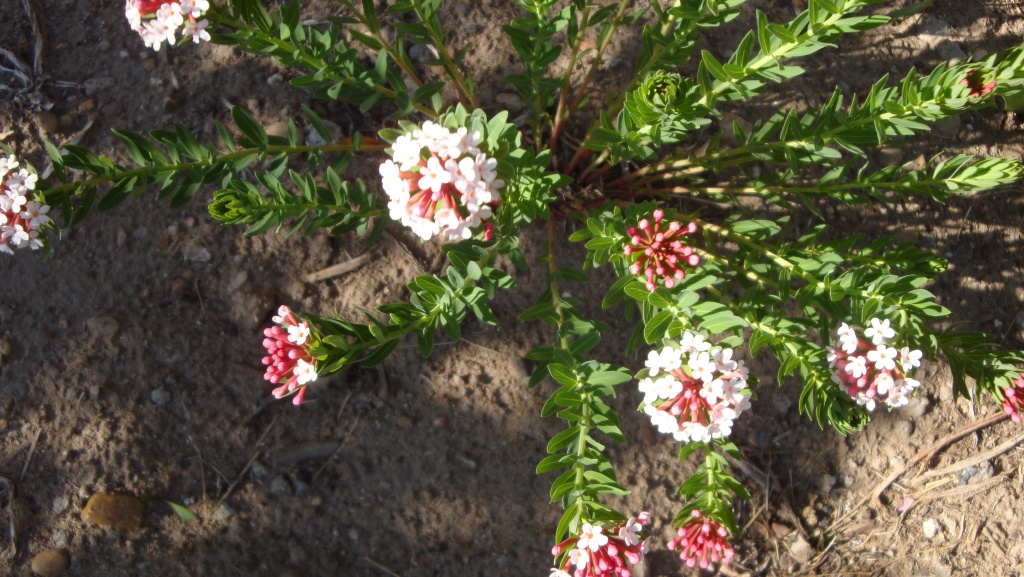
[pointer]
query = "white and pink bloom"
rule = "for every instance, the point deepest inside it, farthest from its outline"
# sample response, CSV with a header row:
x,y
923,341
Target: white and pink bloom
x,y
288,360
159,21
439,183
21,218
870,370
698,391
594,553
701,542
661,249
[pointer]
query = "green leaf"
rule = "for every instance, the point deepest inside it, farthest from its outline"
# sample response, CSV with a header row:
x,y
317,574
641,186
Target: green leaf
x,y
562,374
248,125
182,511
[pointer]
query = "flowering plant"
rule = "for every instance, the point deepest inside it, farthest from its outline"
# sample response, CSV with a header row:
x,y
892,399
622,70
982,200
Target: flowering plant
x,y
697,284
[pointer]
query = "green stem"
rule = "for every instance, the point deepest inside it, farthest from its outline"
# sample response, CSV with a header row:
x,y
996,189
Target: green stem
x,y
387,46
58,193
432,24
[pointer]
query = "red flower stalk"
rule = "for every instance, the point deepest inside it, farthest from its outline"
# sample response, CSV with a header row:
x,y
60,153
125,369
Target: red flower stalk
x,y
662,252
977,88
288,359
702,542
1013,399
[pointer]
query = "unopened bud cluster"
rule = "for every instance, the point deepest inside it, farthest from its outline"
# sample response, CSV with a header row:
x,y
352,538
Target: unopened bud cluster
x,y
869,369
20,216
694,391
288,360
662,252
701,542
439,182
159,21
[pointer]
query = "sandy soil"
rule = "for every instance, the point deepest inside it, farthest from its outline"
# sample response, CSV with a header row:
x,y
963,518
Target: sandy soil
x,y
135,352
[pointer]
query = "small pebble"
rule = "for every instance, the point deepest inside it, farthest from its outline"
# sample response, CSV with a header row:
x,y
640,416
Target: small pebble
x,y
103,326
60,504
87,106
160,397
48,121
930,528
223,513
510,101
50,563
279,486
6,348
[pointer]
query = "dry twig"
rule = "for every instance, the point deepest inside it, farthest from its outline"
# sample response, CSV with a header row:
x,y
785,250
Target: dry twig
x,y
338,269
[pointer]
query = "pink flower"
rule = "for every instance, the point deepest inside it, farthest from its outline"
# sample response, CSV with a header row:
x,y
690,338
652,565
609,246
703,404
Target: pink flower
x,y
701,542
450,192
977,88
21,218
870,371
1013,399
662,252
288,360
593,553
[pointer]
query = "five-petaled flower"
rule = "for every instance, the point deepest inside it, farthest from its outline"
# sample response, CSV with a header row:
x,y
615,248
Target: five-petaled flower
x,y
702,541
288,360
661,249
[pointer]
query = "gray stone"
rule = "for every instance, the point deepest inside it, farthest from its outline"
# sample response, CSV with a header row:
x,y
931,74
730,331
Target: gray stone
x,y
160,397
279,486
197,254
933,31
950,51
889,156
61,504
949,127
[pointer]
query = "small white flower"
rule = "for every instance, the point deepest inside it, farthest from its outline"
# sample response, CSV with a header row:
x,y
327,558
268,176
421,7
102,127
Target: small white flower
x,y
910,359
884,358
628,532
433,176
298,333
879,331
305,372
848,342
702,367
693,343
579,557
723,360
21,181
667,359
196,30
591,537
407,152
282,313
556,572
7,164
35,213
883,383
857,366
194,8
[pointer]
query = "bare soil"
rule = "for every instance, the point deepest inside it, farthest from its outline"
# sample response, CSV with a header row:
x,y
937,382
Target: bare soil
x,y
135,362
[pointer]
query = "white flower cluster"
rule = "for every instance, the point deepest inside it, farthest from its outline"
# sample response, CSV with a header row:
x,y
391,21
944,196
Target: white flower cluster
x,y
20,218
873,371
694,391
158,21
449,191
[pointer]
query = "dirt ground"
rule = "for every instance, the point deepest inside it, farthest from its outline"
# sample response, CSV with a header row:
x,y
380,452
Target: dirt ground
x,y
135,354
